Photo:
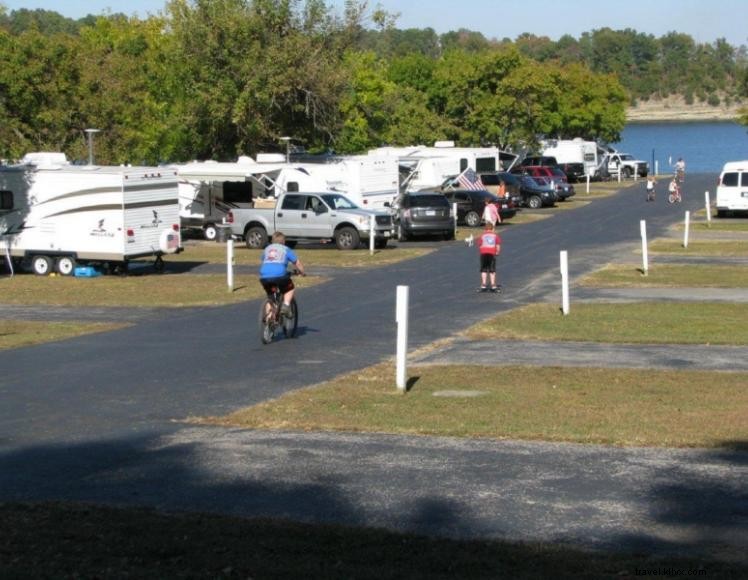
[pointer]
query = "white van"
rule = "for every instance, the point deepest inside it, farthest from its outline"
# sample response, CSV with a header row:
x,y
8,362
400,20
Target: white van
x,y
732,189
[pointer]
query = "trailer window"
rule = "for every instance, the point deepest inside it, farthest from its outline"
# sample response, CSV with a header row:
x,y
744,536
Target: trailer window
x,y
485,164
744,179
292,186
730,179
6,200
237,191
463,164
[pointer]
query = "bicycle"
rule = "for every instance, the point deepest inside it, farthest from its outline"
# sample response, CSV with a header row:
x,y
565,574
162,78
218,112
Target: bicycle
x,y
271,318
674,196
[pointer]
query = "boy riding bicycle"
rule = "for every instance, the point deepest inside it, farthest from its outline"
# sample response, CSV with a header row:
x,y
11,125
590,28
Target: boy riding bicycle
x,y
274,270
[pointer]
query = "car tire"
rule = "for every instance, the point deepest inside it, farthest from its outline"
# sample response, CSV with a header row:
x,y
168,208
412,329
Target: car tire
x,y
472,219
627,172
256,238
535,202
347,238
402,235
449,235
380,244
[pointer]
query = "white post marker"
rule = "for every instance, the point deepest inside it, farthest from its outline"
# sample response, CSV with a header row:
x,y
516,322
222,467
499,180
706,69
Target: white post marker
x,y
588,183
657,168
564,282
707,204
685,232
401,319
454,214
619,174
230,264
645,260
372,225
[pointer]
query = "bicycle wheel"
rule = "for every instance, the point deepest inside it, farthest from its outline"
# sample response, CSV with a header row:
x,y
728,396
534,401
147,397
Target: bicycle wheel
x,y
671,198
265,321
291,323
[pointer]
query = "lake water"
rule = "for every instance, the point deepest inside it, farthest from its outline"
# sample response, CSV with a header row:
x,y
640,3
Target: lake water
x,y
704,146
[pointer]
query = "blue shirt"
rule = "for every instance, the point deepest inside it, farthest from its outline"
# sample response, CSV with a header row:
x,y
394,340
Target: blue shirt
x,y
275,260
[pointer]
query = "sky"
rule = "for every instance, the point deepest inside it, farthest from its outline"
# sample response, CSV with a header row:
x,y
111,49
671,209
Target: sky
x,y
703,20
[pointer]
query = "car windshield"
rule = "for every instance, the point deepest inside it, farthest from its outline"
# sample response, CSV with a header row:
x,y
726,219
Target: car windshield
x,y
337,201
627,157
428,200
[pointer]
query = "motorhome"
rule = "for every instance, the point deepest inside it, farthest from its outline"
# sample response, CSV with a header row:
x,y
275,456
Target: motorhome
x,y
55,215
577,151
425,167
732,189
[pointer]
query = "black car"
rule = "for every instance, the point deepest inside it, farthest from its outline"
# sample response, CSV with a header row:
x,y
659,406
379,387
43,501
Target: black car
x,y
424,213
573,171
471,203
536,192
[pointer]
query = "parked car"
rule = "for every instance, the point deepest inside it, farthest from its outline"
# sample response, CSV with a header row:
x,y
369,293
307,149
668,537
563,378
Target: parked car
x,y
471,202
627,165
551,174
536,192
573,171
491,182
423,213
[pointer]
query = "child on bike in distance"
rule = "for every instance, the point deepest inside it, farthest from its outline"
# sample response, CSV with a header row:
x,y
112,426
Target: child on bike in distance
x,y
274,270
489,246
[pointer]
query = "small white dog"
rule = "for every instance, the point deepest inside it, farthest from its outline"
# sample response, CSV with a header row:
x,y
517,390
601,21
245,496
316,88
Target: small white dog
x,y
469,240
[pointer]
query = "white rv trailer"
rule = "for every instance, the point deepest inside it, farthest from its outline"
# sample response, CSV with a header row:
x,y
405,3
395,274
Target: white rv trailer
x,y
424,167
589,153
55,215
209,190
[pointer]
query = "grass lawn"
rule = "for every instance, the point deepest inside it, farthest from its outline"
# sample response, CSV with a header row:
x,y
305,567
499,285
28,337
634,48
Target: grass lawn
x,y
56,540
152,290
583,405
669,276
329,256
730,248
717,226
638,323
17,333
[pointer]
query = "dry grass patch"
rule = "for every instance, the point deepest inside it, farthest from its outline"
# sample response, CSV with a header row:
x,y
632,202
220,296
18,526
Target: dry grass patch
x,y
638,323
330,256
18,333
168,290
668,276
730,248
717,226
583,405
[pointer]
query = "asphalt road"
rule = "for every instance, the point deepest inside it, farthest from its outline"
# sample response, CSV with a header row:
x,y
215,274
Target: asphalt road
x,y
98,418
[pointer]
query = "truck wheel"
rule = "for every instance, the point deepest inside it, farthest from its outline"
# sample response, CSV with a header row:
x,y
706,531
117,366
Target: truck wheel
x,y
472,219
402,235
41,265
256,238
347,239
65,265
380,244
210,232
534,202
627,172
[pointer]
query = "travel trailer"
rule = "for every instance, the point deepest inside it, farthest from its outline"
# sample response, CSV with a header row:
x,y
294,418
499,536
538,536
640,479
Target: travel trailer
x,y
423,167
577,151
54,215
209,190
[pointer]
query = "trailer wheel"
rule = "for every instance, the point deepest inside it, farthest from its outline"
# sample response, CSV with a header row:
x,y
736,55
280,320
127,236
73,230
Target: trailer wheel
x,y
159,265
210,232
256,238
65,265
41,265
347,239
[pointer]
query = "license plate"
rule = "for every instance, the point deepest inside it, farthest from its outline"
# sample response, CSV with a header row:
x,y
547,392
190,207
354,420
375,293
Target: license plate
x,y
387,234
430,212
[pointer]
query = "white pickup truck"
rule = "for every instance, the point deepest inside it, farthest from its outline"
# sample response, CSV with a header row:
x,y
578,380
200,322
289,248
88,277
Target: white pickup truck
x,y
311,217
627,165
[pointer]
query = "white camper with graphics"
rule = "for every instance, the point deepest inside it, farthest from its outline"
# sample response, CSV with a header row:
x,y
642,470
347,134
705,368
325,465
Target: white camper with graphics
x,y
54,215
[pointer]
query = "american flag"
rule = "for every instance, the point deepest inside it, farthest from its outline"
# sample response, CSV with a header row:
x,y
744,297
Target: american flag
x,y
469,180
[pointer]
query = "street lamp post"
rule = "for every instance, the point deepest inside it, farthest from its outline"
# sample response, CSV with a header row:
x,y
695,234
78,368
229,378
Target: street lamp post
x,y
90,134
288,148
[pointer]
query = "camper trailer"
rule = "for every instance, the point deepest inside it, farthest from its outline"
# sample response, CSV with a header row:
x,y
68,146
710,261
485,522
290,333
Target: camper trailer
x,y
209,190
423,167
577,151
54,215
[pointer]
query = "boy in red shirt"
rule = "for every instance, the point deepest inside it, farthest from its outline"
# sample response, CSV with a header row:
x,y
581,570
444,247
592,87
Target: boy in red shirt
x,y
489,246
